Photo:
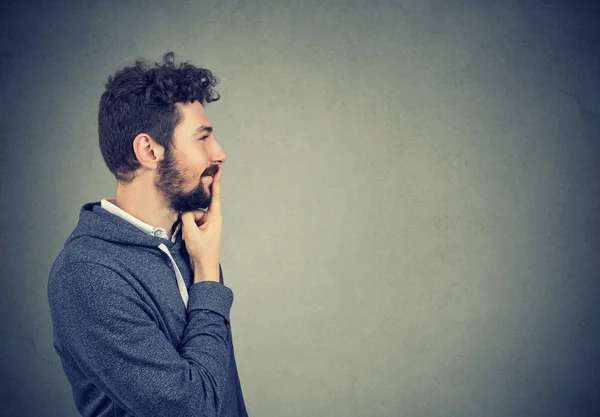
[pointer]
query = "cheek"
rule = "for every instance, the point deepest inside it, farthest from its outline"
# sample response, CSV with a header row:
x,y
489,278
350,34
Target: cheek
x,y
196,161
198,154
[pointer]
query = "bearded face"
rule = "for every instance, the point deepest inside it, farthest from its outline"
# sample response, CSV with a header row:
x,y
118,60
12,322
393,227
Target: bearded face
x,y
171,180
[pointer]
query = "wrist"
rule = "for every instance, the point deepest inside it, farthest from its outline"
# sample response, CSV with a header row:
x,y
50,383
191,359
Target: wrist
x,y
206,274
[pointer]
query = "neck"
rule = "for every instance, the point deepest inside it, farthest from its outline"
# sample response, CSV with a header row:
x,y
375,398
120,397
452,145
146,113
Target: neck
x,y
142,200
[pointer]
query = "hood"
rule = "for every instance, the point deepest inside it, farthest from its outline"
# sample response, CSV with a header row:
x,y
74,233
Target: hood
x,y
96,222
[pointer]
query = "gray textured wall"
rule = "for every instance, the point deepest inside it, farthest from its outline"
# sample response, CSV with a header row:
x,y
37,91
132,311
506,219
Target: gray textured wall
x,y
411,196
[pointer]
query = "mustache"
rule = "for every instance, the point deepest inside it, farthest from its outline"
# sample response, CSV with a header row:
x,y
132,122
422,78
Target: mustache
x,y
210,171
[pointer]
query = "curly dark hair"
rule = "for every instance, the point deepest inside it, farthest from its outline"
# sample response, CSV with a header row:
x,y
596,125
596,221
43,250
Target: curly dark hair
x,y
141,99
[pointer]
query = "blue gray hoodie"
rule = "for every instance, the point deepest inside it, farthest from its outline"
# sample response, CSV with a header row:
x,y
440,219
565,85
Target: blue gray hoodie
x,y
127,342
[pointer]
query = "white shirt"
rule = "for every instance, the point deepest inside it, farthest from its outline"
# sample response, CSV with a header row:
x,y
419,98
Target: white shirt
x,y
109,204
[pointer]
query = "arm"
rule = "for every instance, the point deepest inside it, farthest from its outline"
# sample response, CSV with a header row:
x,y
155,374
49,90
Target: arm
x,y
113,336
242,412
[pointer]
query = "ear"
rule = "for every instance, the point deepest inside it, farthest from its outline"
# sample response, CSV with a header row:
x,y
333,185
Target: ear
x,y
147,151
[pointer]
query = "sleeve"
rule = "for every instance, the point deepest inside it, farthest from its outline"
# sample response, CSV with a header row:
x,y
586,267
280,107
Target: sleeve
x,y
242,412
113,336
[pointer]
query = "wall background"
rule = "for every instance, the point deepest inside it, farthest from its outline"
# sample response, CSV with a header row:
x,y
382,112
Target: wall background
x,y
411,196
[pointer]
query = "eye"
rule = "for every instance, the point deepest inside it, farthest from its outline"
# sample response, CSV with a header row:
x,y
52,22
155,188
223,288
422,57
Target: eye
x,y
203,138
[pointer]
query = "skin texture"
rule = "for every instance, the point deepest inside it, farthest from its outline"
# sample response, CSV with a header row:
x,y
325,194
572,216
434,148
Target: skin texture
x,y
180,181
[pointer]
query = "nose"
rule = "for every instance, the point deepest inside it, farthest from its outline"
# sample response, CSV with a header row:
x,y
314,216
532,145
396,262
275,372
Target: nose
x,y
217,154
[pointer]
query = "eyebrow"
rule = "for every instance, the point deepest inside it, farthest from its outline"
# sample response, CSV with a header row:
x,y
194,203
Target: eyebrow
x,y
203,129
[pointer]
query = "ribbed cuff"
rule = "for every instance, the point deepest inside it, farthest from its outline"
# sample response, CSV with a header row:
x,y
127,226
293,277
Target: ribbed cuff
x,y
210,295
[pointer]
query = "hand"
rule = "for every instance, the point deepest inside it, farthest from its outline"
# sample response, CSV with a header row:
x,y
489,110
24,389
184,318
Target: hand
x,y
202,235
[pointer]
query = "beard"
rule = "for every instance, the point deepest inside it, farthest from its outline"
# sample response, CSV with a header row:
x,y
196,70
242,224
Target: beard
x,y
170,183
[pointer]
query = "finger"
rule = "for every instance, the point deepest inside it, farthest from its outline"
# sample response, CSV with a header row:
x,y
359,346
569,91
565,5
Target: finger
x,y
185,222
197,216
215,203
189,223
187,219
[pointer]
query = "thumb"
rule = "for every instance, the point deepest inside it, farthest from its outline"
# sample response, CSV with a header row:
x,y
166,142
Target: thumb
x,y
188,223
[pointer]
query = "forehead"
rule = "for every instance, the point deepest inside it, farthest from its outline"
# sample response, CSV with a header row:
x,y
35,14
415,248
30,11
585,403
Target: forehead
x,y
192,116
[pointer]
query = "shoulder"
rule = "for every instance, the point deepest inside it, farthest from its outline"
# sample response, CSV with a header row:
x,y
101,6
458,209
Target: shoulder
x,y
76,280
95,258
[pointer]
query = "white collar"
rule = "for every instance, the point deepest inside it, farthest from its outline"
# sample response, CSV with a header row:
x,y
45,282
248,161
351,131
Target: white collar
x,y
109,204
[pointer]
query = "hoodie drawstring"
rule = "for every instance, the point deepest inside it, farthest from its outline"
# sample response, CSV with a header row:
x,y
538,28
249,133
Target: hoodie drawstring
x,y
180,283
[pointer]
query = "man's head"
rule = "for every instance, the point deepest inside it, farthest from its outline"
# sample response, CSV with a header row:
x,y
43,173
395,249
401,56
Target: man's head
x,y
151,121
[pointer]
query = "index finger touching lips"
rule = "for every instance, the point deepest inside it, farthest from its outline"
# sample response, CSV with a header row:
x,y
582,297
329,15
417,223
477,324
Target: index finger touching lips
x,y
215,203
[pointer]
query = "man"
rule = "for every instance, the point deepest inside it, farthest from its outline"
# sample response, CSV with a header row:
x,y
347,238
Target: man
x,y
139,308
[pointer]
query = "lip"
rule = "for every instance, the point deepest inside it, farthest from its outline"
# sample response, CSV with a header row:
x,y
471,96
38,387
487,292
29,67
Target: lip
x,y
212,170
